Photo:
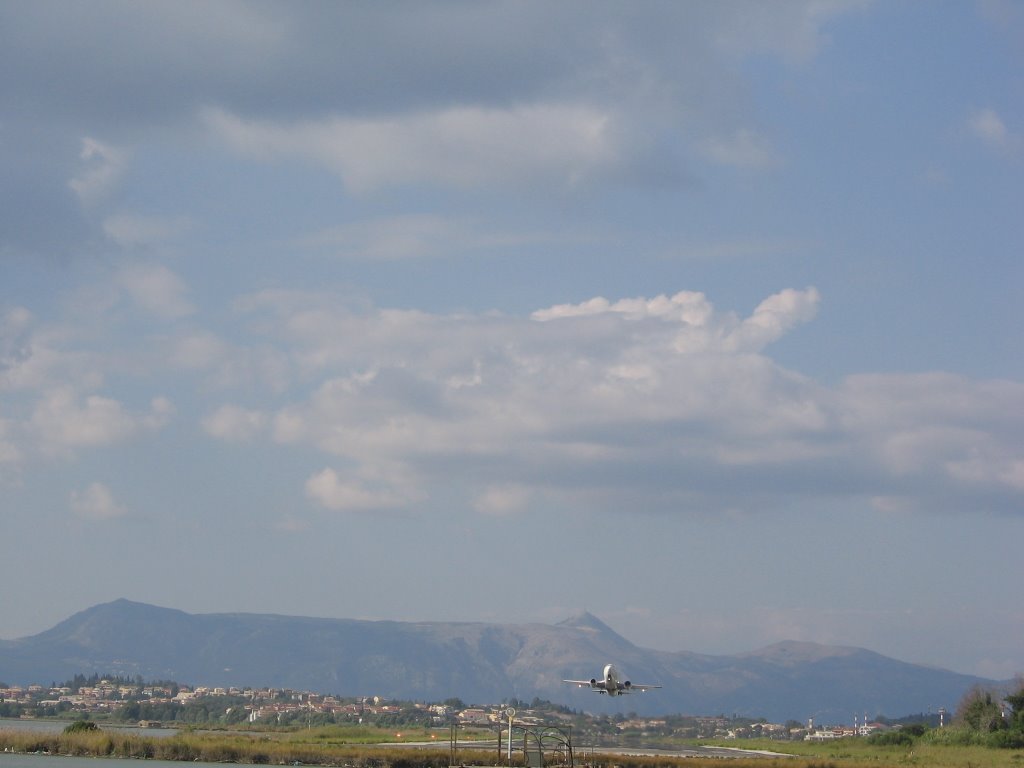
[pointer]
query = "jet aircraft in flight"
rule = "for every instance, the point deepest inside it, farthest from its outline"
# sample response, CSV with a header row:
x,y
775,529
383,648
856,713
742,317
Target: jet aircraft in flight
x,y
611,684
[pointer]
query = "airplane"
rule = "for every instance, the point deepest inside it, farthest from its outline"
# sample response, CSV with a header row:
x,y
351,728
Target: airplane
x,y
611,683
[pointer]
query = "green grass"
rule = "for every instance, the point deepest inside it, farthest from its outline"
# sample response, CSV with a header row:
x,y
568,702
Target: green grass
x,y
854,753
352,748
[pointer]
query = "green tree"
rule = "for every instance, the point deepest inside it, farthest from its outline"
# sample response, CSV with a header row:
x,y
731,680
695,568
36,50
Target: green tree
x,y
979,712
1016,702
80,726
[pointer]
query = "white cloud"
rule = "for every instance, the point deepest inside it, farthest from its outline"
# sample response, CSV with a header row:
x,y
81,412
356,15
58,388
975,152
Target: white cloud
x,y
958,434
155,289
61,420
773,318
463,146
665,397
103,166
346,495
160,412
225,365
999,472
233,423
688,307
989,127
198,351
96,503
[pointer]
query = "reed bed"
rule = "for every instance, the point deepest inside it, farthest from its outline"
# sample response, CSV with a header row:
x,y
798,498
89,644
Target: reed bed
x,y
260,749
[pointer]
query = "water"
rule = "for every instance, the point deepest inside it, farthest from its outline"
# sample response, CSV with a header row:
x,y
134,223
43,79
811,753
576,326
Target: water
x,y
56,726
8,760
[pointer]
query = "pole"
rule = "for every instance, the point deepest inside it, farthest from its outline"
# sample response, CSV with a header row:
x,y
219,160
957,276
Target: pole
x,y
511,713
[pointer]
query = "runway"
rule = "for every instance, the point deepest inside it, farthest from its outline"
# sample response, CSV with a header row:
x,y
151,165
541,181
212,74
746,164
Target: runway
x,y
698,751
581,752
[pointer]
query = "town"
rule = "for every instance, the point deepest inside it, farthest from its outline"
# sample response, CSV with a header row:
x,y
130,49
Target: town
x,y
169,704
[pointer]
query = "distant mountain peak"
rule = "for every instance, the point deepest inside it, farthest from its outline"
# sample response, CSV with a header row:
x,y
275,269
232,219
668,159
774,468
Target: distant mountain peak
x,y
475,662
588,622
122,606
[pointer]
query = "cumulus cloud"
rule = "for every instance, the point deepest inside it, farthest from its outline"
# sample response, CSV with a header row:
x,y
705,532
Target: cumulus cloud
x,y
155,289
102,168
773,318
688,307
96,503
198,350
332,491
666,398
235,424
62,420
987,126
461,146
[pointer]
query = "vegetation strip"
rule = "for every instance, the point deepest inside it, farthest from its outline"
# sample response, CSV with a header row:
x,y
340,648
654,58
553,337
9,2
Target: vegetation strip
x,y
300,748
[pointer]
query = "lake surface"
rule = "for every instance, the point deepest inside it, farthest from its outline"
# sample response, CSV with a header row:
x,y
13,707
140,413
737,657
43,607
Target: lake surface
x,y
8,760
56,726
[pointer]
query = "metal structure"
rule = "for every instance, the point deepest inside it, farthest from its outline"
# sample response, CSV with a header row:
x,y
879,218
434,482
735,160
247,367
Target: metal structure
x,y
538,743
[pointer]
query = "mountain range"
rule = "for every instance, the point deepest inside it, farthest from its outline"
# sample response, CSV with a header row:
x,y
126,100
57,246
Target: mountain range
x,y
476,662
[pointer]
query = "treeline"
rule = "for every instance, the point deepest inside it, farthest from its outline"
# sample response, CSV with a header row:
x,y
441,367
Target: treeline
x,y
983,718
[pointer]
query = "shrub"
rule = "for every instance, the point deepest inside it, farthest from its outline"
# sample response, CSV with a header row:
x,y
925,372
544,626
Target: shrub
x,y
1006,739
81,726
897,738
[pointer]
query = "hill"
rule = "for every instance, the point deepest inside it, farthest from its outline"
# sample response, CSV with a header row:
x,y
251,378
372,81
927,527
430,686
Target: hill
x,y
477,662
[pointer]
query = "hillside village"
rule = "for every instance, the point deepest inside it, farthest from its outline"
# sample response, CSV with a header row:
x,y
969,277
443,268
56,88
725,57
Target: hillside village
x,y
170,704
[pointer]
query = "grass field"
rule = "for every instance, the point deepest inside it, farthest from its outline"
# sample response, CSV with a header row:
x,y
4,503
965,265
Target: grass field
x,y
854,753
376,748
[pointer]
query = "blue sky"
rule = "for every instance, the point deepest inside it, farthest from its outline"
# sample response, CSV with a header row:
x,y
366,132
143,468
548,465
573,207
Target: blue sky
x,y
704,317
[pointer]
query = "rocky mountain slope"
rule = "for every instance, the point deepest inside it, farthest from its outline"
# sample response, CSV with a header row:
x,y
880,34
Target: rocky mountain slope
x,y
477,662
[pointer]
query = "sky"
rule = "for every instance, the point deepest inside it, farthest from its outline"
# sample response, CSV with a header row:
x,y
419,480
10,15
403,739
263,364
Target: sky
x,y
703,317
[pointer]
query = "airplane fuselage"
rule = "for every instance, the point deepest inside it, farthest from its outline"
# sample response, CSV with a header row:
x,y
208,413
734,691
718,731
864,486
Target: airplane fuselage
x,y
610,683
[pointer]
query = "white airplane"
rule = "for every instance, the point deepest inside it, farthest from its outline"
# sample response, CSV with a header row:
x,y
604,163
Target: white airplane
x,y
611,683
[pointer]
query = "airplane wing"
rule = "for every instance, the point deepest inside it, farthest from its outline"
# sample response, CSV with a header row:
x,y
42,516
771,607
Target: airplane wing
x,y
594,685
639,687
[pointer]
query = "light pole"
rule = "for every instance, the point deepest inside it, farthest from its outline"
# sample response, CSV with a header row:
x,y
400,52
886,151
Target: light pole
x,y
511,713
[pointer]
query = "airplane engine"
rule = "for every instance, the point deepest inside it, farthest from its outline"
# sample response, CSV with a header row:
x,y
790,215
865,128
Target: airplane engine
x,y
627,685
593,682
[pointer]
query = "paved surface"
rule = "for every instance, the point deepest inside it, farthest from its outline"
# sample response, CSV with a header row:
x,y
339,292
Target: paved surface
x,y
719,752
581,753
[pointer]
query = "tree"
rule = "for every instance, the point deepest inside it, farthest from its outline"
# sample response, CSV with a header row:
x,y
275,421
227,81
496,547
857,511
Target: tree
x,y
80,726
1016,702
979,712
